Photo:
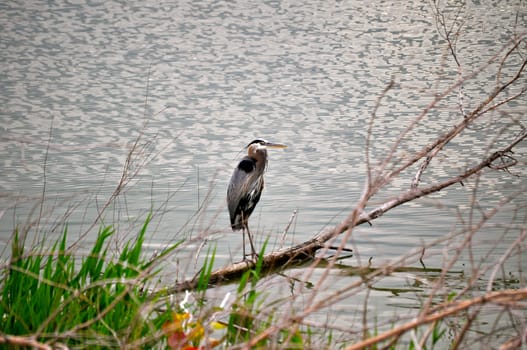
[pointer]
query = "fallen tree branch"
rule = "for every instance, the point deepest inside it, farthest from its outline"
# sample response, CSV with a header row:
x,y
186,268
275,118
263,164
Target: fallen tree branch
x,y
444,310
305,251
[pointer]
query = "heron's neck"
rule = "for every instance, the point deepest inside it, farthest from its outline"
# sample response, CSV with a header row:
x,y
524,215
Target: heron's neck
x,y
259,154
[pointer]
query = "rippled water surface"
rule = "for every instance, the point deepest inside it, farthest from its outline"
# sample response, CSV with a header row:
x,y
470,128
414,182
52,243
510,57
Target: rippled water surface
x,y
196,81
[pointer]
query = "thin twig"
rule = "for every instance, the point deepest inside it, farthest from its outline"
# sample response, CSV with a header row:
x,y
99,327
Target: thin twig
x,y
44,176
286,229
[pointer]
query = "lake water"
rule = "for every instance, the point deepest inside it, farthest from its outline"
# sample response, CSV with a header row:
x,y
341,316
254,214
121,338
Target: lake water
x,y
196,81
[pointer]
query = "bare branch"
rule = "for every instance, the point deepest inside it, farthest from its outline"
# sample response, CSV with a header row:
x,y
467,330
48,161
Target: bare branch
x,y
370,131
23,341
434,148
444,310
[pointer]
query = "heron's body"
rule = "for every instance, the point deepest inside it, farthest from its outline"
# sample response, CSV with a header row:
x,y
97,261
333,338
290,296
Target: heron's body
x,y
246,186
243,199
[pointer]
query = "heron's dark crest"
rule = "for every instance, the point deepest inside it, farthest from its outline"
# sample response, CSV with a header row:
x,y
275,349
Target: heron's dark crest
x,y
246,186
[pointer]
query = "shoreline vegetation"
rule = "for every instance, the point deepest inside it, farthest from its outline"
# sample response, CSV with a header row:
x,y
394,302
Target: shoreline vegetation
x,y
52,296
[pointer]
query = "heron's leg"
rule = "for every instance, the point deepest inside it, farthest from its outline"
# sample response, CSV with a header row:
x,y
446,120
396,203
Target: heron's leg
x,y
243,235
254,254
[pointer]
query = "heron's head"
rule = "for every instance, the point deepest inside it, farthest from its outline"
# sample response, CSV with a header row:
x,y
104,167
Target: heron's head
x,y
257,149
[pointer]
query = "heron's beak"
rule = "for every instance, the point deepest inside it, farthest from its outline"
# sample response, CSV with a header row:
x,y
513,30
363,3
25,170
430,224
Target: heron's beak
x,y
275,145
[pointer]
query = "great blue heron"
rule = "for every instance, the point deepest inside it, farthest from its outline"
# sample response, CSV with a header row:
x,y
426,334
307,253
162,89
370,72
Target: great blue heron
x,y
245,188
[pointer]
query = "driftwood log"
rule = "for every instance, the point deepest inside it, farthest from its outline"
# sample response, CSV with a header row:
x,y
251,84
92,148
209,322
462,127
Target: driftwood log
x,y
305,252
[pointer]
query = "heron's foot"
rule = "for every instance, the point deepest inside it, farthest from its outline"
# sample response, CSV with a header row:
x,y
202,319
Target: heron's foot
x,y
251,257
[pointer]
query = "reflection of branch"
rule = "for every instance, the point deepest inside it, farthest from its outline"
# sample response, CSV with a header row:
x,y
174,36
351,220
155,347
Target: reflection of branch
x,y
505,297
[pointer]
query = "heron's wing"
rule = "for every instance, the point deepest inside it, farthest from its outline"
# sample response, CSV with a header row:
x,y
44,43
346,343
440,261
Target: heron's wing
x,y
244,191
